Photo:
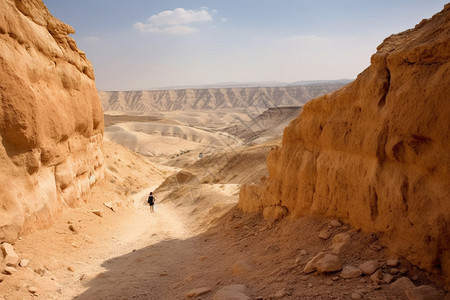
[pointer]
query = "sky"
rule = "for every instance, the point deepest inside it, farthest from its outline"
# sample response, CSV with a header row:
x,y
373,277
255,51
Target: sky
x,y
146,44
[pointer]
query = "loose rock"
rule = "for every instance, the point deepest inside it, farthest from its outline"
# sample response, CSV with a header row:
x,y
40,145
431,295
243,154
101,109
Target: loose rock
x,y
335,223
403,284
234,291
356,296
392,262
423,292
98,213
32,289
339,241
328,264
198,292
311,265
24,263
9,270
350,272
369,267
10,257
324,234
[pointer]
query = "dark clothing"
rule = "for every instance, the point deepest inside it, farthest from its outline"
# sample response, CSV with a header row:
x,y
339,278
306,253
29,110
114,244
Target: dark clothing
x,y
151,200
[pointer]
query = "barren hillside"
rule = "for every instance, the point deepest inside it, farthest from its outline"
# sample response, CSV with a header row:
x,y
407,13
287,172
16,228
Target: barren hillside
x,y
209,99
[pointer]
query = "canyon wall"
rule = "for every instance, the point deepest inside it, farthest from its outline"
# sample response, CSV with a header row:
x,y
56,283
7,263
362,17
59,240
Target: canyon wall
x,y
51,121
212,98
376,153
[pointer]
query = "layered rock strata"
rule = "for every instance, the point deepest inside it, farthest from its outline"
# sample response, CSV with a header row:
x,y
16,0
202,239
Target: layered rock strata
x,y
208,99
376,152
51,121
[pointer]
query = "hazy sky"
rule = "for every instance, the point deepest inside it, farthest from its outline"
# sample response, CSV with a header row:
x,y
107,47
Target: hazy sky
x,y
143,44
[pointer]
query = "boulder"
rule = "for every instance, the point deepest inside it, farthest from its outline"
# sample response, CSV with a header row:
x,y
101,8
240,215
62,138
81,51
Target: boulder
x,y
349,272
232,292
10,257
424,292
369,267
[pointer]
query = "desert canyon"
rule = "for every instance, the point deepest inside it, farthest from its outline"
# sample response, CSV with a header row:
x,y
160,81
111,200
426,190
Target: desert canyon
x,y
321,191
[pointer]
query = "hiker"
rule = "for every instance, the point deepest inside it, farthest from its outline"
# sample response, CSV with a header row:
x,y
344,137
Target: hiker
x,y
151,202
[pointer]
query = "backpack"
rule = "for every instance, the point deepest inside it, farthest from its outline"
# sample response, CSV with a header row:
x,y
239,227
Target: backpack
x,y
150,199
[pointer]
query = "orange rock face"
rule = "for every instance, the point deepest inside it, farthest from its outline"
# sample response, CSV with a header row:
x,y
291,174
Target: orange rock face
x,y
376,153
51,121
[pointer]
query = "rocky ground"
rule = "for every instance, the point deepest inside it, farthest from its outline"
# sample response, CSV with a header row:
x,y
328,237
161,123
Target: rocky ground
x,y
198,245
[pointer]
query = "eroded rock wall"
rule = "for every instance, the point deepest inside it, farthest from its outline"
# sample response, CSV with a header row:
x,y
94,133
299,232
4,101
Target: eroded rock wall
x,y
51,121
376,153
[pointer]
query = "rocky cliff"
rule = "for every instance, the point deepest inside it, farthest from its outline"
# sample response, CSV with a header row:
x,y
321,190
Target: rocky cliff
x,y
375,153
207,99
51,121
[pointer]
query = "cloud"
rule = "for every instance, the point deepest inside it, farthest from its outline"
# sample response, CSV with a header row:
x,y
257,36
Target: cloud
x,y
214,10
177,29
174,21
224,19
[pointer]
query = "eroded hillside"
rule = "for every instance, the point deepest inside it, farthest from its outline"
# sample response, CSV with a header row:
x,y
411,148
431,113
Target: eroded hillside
x,y
376,152
209,99
51,121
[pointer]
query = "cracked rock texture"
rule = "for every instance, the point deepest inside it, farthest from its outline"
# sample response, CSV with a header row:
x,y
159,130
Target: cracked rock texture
x,y
51,121
375,153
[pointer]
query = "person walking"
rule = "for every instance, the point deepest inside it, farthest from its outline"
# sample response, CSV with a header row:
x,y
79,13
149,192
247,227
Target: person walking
x,y
151,202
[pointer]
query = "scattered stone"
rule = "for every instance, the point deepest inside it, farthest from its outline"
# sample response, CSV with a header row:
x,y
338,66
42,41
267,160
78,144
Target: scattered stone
x,y
393,271
10,257
335,278
86,277
369,267
423,292
392,262
110,205
404,271
303,252
70,269
324,234
414,277
310,285
9,270
279,294
335,223
329,282
311,265
328,264
73,228
350,272
297,261
198,292
377,276
403,284
387,278
24,262
356,296
234,291
32,289
98,213
339,241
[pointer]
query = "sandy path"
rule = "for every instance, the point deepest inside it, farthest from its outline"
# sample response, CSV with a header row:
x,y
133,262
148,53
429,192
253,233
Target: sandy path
x,y
137,230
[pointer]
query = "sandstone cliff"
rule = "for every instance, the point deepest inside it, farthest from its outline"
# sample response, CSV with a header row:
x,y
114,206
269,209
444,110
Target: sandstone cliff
x,y
51,121
208,99
376,152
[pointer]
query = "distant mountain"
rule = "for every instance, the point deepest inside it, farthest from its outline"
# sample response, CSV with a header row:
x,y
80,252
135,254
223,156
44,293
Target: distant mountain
x,y
213,98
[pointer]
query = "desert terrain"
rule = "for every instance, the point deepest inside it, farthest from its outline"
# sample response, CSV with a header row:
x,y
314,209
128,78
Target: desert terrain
x,y
261,192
